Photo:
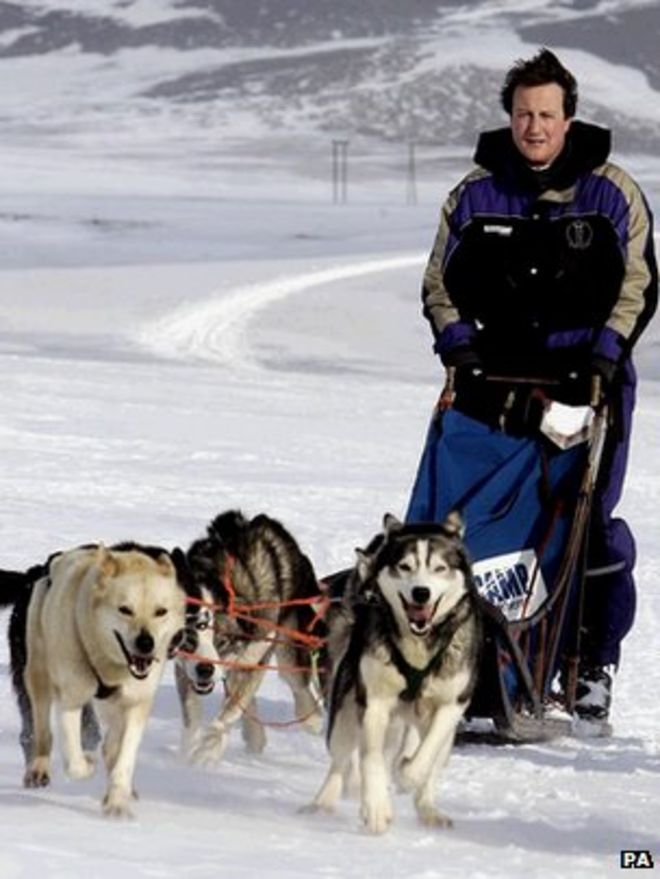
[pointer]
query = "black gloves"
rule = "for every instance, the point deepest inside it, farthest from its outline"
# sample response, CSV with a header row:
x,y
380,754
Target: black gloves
x,y
605,368
465,360
593,381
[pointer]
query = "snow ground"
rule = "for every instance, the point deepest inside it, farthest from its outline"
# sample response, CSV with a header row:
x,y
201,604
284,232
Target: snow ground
x,y
139,402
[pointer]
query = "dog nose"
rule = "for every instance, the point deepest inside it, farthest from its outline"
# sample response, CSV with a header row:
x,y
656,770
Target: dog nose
x,y
420,594
144,642
204,671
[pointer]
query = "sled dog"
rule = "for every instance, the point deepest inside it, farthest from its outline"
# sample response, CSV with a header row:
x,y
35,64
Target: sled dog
x,y
404,648
254,563
93,623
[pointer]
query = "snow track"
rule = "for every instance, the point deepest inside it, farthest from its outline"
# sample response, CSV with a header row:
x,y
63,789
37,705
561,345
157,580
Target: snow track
x,y
215,329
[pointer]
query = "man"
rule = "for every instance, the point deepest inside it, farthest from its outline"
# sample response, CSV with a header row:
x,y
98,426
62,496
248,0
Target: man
x,y
544,268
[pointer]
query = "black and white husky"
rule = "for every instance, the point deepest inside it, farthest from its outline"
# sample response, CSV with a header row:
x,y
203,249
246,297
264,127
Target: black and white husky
x,y
404,647
255,565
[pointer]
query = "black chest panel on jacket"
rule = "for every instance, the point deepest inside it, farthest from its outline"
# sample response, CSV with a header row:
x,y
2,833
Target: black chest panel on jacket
x,y
536,274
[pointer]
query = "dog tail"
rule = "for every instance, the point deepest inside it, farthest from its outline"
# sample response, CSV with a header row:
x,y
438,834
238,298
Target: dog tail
x,y
13,584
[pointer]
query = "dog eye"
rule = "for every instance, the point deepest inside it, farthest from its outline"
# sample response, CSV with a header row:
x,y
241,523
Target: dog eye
x,y
440,568
202,625
126,610
406,567
160,611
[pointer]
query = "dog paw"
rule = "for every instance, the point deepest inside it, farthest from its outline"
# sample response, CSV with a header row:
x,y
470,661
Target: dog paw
x,y
210,749
37,774
429,816
116,805
83,768
377,815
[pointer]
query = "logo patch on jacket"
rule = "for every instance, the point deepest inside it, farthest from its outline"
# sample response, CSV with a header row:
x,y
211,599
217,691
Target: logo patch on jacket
x,y
498,229
579,234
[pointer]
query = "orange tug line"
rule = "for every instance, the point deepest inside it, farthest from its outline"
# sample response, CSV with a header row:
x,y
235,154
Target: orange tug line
x,y
312,642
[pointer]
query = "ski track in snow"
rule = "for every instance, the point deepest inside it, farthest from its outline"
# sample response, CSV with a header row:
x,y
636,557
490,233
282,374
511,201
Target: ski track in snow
x,y
215,330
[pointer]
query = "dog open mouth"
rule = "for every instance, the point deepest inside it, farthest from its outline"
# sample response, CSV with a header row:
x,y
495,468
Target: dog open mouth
x,y
420,616
139,664
203,688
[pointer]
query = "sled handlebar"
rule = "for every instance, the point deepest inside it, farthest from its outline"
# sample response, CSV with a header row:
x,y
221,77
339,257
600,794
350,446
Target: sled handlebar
x,y
595,399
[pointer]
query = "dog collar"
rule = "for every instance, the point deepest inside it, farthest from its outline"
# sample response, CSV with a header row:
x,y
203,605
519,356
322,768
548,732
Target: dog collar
x,y
415,677
103,691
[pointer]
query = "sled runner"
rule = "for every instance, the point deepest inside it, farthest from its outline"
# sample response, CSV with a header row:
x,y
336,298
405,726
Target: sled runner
x,y
525,495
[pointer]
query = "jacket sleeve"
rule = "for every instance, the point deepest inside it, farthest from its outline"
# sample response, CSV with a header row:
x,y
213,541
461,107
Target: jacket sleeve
x,y
638,296
449,331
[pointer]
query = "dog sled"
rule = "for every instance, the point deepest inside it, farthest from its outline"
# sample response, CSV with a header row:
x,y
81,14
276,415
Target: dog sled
x,y
525,497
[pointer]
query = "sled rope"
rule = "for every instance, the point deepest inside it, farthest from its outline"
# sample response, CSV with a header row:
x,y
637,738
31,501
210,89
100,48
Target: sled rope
x,y
241,666
273,724
313,643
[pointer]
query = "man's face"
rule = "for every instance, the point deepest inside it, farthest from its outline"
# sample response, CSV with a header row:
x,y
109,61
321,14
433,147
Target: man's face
x,y
538,123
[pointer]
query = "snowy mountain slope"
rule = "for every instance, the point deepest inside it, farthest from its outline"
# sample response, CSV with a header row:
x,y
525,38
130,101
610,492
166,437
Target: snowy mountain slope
x,y
426,71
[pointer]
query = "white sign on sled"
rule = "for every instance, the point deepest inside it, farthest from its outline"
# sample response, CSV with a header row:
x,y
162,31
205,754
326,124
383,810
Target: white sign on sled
x,y
513,582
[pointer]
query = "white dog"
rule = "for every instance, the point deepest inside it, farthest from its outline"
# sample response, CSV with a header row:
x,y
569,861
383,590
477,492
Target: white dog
x,y
96,624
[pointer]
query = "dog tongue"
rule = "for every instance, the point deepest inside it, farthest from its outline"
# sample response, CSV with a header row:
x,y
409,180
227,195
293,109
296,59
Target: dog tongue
x,y
418,614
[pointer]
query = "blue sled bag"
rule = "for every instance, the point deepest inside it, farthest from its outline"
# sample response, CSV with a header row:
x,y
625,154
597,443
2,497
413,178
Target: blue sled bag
x,y
518,497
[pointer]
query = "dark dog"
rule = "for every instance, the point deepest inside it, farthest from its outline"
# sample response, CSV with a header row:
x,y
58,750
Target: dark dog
x,y
251,563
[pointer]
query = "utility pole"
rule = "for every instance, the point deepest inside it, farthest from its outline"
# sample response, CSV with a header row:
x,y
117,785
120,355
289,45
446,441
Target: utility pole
x,y
411,177
339,171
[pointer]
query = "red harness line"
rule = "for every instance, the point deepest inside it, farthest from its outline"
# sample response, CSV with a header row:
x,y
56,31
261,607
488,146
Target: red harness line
x,y
240,666
312,642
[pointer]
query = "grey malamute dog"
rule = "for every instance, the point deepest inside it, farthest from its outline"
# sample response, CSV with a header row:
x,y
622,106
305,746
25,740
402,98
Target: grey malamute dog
x,y
404,646
93,623
254,564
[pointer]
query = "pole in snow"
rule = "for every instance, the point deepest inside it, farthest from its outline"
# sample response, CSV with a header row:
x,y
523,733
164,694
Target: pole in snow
x,y
339,171
411,178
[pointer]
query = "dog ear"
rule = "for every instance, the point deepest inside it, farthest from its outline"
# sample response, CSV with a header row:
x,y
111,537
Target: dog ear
x,y
106,562
391,523
362,564
454,524
183,573
166,565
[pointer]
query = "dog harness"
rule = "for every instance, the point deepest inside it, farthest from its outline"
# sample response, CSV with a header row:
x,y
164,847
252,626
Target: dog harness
x,y
415,677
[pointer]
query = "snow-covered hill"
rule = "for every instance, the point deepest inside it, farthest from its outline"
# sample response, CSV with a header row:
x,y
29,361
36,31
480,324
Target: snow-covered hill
x,y
378,71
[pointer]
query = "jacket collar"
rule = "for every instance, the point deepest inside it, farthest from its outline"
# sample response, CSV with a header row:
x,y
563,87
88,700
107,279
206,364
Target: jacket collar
x,y
587,146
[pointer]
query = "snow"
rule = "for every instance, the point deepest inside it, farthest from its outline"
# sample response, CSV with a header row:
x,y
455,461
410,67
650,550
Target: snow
x,y
174,345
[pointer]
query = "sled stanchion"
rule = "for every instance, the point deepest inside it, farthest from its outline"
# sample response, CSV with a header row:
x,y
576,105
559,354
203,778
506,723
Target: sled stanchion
x,y
539,665
597,451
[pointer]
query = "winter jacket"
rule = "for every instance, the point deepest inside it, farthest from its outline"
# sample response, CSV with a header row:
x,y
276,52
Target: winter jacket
x,y
537,272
